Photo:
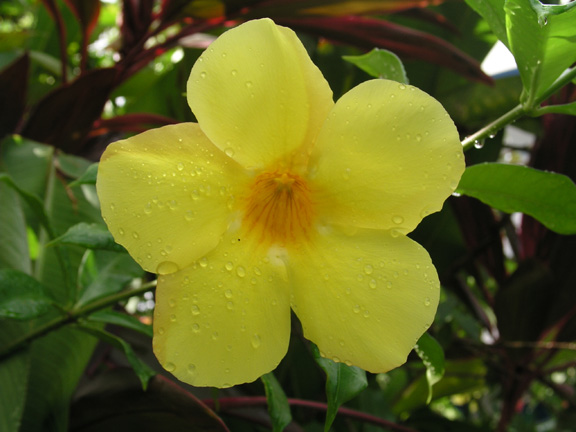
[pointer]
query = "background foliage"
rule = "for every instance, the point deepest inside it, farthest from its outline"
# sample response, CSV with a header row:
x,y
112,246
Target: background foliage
x,y
75,310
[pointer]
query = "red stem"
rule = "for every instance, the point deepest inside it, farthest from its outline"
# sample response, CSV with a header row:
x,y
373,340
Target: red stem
x,y
235,402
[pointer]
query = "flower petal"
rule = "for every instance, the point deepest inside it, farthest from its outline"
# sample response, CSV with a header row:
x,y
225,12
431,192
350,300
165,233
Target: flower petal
x,y
257,95
388,156
364,299
166,195
226,319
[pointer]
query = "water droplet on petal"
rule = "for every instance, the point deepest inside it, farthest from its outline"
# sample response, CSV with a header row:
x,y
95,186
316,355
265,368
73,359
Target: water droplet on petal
x,y
248,84
229,152
196,328
195,310
172,317
356,308
203,262
368,269
229,266
402,87
427,301
230,305
372,284
234,72
170,367
191,369
228,294
240,271
256,341
167,267
121,231
397,219
180,166
203,74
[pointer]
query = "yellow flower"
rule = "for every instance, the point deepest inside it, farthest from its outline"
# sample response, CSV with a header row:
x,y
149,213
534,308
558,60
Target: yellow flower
x,y
281,199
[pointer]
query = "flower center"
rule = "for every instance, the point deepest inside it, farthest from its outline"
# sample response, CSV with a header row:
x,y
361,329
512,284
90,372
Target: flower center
x,y
279,208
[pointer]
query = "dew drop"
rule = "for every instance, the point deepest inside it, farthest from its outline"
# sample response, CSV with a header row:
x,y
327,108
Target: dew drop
x,y
478,144
135,235
161,331
203,74
372,284
249,84
366,314
191,369
256,341
356,308
368,269
180,166
229,266
173,318
389,285
230,305
427,301
215,336
167,267
195,310
189,215
228,294
336,359
170,367
397,219
196,328
234,72
172,303
121,231
257,271
229,152
402,87
240,271
148,208
203,262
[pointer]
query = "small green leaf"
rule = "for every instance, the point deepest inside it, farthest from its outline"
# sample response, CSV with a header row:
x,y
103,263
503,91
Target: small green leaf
x,y
110,316
493,13
21,296
432,355
91,236
380,63
542,38
142,370
278,406
343,382
547,197
89,176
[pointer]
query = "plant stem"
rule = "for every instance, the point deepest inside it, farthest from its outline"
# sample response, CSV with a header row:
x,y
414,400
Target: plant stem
x,y
235,402
519,111
72,316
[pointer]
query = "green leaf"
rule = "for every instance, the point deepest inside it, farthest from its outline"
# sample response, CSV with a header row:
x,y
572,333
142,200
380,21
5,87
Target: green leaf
x,y
278,406
380,63
22,296
14,372
89,176
493,13
110,316
343,382
542,38
89,235
547,197
14,251
432,355
142,370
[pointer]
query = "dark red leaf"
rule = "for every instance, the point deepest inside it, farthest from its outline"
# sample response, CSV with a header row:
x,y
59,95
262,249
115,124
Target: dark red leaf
x,y
13,88
408,43
137,15
64,117
130,123
87,12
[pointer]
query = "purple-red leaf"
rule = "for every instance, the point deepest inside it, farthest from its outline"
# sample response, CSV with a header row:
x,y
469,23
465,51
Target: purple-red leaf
x,y
407,43
13,88
64,117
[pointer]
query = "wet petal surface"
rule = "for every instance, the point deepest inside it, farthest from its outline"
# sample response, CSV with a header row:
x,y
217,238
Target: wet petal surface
x,y
257,94
366,298
167,195
226,319
387,156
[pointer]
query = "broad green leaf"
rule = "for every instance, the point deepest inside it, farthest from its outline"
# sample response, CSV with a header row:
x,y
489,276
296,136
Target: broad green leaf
x,y
493,12
343,382
103,273
432,355
89,235
73,166
109,316
142,370
548,197
278,406
380,63
89,176
14,372
542,39
21,296
14,251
